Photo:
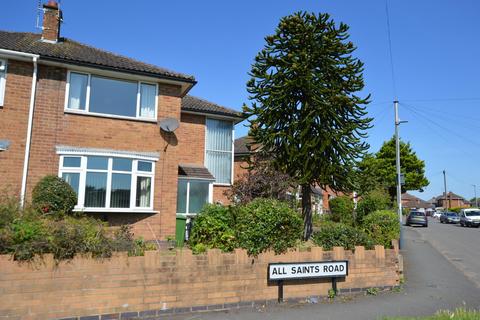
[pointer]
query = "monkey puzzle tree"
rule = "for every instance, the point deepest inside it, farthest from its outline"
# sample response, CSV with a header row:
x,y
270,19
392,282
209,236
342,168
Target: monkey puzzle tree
x,y
304,108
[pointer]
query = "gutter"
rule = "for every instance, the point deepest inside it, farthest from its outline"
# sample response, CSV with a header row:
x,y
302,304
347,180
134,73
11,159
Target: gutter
x,y
34,58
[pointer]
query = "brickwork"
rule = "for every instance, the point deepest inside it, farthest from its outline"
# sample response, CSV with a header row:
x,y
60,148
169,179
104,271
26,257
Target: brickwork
x,y
219,195
240,166
191,135
167,280
52,127
13,125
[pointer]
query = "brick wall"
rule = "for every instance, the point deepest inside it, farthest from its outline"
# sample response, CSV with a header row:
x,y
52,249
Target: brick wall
x,y
13,125
162,281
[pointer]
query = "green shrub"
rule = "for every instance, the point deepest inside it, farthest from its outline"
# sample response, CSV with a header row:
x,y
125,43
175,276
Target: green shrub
x,y
372,201
342,210
265,224
26,238
333,234
9,209
72,236
25,233
52,195
382,226
456,209
124,240
214,228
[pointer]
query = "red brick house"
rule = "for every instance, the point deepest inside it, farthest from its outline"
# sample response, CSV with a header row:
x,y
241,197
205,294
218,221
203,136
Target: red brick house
x,y
93,118
453,201
409,201
243,150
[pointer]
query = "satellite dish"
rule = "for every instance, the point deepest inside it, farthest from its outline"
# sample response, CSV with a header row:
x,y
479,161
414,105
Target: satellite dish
x,y
169,124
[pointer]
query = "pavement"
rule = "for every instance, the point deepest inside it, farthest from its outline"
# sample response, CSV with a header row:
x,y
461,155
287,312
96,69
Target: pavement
x,y
435,280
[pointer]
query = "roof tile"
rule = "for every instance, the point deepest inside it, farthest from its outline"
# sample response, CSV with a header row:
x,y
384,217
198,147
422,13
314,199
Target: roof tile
x,y
71,51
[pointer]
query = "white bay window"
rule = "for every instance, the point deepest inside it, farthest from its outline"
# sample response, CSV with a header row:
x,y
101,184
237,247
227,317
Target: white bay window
x,y
99,95
219,150
109,183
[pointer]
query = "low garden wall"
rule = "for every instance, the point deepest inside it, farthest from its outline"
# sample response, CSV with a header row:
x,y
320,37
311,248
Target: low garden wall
x,y
165,282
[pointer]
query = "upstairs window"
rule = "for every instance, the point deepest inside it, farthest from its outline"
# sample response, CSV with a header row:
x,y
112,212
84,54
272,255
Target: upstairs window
x,y
3,76
107,96
219,150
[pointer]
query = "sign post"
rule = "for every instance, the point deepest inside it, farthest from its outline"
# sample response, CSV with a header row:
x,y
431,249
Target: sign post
x,y
290,271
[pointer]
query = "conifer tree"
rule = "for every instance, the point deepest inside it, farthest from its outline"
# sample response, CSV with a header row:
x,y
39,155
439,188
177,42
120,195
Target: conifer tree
x,y
305,110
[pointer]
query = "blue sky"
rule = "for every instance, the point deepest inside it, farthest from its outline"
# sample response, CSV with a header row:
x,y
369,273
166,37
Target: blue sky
x,y
435,53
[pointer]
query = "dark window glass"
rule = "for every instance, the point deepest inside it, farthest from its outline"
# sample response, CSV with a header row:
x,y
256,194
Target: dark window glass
x,y
198,196
77,92
97,163
144,185
144,166
95,189
120,196
122,164
71,162
182,196
110,96
73,179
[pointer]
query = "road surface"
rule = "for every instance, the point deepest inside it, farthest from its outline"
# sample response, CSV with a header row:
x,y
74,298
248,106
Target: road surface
x,y
460,245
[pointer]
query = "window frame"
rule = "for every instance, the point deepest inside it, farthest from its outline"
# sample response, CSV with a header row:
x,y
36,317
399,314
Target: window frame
x,y
187,198
135,173
107,115
215,183
3,82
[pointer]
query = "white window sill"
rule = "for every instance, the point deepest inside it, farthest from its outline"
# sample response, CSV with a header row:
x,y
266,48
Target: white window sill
x,y
115,210
217,184
111,116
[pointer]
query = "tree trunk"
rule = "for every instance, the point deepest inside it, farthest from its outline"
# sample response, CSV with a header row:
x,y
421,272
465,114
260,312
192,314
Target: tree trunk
x,y
307,211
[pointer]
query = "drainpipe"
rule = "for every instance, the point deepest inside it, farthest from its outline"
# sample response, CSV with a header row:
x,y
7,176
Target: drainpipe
x,y
34,57
29,132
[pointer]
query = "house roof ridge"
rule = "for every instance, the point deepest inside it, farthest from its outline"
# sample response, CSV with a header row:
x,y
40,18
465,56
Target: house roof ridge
x,y
197,104
187,76
73,51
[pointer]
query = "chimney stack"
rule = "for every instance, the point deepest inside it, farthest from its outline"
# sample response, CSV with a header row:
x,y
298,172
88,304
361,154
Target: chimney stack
x,y
52,17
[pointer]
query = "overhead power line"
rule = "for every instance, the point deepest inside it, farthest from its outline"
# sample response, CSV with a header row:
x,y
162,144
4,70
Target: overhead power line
x,y
442,99
392,69
418,112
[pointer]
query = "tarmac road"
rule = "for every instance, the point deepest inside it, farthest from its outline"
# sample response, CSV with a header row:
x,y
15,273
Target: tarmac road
x,y
460,245
433,283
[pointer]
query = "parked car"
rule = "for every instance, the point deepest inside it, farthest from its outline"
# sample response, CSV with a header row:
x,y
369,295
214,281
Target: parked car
x,y
437,214
449,217
470,217
417,218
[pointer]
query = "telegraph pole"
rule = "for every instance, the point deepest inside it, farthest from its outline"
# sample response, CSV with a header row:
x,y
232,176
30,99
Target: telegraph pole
x,y
399,179
475,192
445,190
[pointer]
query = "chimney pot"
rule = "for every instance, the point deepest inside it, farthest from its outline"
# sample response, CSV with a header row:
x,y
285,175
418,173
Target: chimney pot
x,y
52,4
52,18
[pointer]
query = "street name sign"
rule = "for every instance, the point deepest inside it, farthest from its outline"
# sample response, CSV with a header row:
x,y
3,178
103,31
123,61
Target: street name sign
x,y
307,270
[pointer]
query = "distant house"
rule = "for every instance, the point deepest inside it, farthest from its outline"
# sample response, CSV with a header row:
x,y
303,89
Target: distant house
x,y
243,151
410,201
453,201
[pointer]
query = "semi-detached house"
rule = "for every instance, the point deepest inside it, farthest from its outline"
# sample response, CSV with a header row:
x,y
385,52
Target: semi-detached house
x,y
93,118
